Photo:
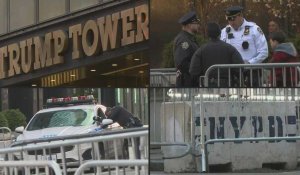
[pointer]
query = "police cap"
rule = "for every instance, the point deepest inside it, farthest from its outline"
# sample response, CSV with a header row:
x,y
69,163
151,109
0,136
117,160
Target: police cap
x,y
233,10
188,18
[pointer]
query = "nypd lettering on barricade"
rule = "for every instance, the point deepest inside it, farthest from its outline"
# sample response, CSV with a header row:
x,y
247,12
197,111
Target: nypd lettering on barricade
x,y
258,126
230,119
88,39
248,119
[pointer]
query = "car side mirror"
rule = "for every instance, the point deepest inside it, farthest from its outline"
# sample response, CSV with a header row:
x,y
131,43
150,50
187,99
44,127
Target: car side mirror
x,y
106,122
19,129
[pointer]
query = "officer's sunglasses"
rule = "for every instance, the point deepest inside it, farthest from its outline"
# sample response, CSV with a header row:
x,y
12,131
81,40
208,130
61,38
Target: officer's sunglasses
x,y
195,21
231,18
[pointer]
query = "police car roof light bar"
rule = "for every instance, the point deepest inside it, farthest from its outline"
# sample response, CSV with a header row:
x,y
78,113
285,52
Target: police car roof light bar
x,y
68,101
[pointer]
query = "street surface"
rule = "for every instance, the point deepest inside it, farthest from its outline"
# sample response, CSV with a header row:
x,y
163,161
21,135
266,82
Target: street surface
x,y
266,173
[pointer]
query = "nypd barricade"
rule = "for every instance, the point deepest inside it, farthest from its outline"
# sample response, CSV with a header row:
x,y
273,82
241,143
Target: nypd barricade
x,y
290,76
163,77
267,76
253,113
93,139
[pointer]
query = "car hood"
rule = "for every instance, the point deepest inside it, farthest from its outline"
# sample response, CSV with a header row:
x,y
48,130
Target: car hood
x,y
54,132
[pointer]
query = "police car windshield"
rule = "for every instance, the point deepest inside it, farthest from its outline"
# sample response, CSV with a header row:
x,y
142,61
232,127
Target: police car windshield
x,y
61,118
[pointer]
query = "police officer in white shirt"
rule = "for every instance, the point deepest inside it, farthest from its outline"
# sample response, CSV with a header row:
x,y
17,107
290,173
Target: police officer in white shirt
x,y
247,38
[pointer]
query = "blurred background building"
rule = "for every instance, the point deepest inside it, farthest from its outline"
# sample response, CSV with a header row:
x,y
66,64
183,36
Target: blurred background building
x,y
165,15
30,100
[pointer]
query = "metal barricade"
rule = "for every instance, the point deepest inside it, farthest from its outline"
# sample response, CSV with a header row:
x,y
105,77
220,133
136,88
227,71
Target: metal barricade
x,y
5,137
30,167
171,122
117,163
162,144
163,77
268,113
243,112
252,75
72,151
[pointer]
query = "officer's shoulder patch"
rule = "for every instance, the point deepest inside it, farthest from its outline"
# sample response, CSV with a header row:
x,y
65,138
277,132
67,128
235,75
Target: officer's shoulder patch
x,y
185,45
260,31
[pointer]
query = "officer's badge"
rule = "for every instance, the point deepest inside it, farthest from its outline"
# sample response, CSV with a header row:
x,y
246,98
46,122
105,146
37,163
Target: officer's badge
x,y
228,29
260,31
247,30
185,45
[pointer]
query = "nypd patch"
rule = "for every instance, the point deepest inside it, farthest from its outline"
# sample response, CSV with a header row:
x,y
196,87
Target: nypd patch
x,y
260,31
185,45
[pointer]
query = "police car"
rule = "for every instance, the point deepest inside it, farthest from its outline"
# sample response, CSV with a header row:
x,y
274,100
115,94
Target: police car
x,y
71,116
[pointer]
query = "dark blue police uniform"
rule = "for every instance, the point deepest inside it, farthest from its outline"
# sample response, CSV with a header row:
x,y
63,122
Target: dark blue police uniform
x,y
185,45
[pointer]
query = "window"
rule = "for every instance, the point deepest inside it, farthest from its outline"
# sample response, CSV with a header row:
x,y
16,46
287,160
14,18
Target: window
x,y
51,8
62,118
17,14
80,4
3,16
21,13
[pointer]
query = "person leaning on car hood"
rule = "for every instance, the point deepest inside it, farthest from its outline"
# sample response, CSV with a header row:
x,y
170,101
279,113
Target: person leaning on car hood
x,y
123,117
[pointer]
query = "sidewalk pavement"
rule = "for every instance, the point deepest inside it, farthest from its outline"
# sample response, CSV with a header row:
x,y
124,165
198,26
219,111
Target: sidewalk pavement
x,y
267,173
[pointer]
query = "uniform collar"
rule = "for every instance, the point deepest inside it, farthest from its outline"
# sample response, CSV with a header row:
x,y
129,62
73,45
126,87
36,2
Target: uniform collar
x,y
189,35
245,23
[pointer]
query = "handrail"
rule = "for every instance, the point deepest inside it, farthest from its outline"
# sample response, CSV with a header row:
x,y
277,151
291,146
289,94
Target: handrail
x,y
65,143
260,65
91,134
247,66
162,77
163,70
206,169
186,152
51,164
163,73
73,142
94,163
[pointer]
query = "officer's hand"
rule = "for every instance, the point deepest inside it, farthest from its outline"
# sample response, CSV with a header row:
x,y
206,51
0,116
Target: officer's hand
x,y
98,119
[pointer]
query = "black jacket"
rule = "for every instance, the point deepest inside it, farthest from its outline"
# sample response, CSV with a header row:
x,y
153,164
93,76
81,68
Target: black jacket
x,y
214,52
185,46
124,118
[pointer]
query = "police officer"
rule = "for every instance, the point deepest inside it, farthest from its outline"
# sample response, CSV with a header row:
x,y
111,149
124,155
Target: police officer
x,y
126,120
123,117
184,47
247,38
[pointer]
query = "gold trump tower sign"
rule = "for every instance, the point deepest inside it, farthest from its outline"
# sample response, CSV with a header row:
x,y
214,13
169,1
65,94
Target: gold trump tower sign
x,y
89,39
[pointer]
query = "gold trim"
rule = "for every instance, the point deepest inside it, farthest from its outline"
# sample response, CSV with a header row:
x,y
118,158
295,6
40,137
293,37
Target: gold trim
x,y
129,68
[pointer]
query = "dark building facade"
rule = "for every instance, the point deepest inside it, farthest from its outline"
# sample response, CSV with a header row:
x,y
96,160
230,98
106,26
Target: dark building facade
x,y
31,100
85,44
